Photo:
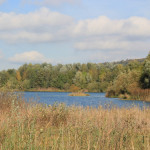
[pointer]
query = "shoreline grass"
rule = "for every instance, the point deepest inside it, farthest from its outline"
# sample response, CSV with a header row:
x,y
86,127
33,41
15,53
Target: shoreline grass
x,y
50,89
78,94
35,126
135,94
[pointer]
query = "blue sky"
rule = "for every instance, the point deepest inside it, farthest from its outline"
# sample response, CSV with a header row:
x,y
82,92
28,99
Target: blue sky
x,y
70,31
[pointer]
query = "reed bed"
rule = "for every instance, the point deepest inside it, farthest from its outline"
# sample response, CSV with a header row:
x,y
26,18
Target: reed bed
x,y
38,127
79,94
140,94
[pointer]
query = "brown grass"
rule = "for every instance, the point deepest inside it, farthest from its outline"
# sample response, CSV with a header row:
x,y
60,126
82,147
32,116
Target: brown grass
x,y
59,127
78,94
140,94
135,93
50,89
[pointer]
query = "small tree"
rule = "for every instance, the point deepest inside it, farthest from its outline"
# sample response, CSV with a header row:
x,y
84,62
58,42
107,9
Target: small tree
x,y
18,76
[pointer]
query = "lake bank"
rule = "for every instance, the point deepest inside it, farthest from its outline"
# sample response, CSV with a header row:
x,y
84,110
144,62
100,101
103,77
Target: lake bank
x,y
46,90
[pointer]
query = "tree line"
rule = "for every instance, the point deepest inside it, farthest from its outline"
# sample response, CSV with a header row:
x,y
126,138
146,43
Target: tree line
x,y
115,77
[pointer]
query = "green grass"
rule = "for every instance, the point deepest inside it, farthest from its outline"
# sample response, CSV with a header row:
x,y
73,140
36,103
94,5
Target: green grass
x,y
35,127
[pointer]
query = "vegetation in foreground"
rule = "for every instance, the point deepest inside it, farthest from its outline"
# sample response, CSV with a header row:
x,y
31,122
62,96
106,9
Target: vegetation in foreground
x,y
33,126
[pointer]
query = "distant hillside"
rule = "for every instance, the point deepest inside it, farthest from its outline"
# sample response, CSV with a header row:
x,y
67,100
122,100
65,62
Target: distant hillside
x,y
126,62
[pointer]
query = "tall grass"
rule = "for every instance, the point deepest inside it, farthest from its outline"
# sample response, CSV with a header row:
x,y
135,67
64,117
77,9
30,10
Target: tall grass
x,y
58,127
140,94
135,93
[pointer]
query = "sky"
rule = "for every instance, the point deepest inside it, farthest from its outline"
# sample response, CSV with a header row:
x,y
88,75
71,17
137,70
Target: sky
x,y
72,31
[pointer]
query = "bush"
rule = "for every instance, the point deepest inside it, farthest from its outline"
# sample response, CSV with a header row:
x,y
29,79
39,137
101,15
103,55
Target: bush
x,y
123,84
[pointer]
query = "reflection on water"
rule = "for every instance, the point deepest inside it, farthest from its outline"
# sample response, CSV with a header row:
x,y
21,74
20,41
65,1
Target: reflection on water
x,y
94,100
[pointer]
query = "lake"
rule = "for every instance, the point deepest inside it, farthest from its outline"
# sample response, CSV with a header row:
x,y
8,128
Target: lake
x,y
94,100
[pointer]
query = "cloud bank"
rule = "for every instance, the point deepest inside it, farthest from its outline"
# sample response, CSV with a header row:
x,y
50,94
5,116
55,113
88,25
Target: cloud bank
x,y
50,2
39,26
104,33
29,57
101,34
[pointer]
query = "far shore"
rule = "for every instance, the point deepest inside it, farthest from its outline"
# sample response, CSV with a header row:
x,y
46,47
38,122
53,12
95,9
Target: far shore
x,y
46,90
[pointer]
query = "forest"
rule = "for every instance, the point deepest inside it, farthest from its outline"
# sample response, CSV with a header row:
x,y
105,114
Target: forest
x,y
129,79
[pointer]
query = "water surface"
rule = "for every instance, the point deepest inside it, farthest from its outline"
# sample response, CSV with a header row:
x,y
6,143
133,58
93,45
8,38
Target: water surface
x,y
94,100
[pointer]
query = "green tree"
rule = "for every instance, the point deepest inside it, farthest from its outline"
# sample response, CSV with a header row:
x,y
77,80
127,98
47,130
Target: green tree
x,y
145,77
124,83
93,87
4,76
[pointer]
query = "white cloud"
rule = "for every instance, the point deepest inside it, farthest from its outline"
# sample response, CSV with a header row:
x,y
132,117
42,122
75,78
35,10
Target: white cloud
x,y
50,2
39,26
134,26
2,1
100,34
104,34
34,21
30,57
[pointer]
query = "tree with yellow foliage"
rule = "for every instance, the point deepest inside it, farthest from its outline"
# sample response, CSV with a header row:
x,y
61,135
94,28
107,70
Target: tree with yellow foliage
x,y
18,76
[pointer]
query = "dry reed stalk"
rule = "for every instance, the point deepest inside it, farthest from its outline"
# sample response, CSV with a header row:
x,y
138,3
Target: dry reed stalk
x,y
62,127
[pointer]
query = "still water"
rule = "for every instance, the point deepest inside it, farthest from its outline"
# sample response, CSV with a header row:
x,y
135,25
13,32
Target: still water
x,y
94,100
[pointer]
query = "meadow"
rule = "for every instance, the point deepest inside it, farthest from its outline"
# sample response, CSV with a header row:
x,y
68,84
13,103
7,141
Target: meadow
x,y
27,125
